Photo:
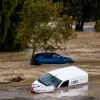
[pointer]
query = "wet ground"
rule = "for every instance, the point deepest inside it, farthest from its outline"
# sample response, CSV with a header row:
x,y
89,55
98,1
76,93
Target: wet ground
x,y
85,50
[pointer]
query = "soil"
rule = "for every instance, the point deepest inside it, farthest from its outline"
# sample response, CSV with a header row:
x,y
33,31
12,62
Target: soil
x,y
85,50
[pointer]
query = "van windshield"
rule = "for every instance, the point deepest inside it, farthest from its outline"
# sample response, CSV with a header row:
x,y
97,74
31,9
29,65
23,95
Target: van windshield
x,y
49,79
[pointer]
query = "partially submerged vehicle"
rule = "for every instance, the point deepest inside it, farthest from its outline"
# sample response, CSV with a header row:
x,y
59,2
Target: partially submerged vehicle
x,y
49,58
61,77
40,88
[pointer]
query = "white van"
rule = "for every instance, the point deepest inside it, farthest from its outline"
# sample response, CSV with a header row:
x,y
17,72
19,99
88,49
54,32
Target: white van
x,y
61,77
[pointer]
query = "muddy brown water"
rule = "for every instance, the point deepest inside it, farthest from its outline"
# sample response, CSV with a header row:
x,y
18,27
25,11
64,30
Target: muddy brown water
x,y
85,50
80,92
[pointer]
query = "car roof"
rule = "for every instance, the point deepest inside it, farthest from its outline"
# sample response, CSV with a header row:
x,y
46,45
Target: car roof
x,y
45,53
67,73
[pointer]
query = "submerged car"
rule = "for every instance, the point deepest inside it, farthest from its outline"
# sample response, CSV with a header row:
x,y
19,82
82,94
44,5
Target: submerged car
x,y
40,89
61,77
50,58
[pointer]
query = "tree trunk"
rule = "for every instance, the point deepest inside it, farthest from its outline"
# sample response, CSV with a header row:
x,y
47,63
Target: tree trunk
x,y
33,53
83,20
82,24
77,28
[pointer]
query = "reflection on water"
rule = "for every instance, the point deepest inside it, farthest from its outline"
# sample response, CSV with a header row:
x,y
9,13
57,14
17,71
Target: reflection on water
x,y
82,91
86,28
23,92
73,92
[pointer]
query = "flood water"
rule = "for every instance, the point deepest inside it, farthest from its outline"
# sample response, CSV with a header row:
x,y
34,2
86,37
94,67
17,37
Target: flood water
x,y
86,28
86,53
24,93
80,92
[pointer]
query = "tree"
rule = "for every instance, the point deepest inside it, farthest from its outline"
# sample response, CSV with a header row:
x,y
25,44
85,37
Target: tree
x,y
82,10
9,21
42,27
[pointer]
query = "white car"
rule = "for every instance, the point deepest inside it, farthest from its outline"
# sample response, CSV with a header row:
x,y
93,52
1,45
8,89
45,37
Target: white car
x,y
61,77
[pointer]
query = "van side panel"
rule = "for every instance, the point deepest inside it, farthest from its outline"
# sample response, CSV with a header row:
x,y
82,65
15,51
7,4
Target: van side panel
x,y
79,80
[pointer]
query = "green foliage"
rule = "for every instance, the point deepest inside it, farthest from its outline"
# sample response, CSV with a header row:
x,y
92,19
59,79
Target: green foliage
x,y
82,10
42,27
9,21
74,8
77,8
7,7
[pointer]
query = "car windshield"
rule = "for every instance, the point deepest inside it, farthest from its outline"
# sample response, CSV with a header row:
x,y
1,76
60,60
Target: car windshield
x,y
49,79
57,56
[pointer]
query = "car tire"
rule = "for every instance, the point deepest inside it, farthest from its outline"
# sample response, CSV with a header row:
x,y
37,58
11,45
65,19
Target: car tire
x,y
67,63
42,63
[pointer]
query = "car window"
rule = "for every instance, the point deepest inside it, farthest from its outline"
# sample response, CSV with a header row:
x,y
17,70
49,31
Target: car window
x,y
49,79
36,56
56,56
65,83
47,55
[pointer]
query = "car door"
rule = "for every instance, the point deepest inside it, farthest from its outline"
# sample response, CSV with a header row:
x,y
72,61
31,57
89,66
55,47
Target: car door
x,y
57,59
65,83
48,58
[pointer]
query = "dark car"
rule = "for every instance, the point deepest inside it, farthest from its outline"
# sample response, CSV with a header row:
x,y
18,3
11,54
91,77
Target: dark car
x,y
50,58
